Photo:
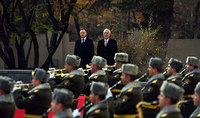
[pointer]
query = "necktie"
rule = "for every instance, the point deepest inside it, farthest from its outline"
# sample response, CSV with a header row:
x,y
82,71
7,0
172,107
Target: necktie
x,y
106,42
82,40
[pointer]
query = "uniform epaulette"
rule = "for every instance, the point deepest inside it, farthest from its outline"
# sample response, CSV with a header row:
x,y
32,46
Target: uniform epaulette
x,y
164,115
174,79
97,111
95,77
71,76
191,75
154,81
35,91
130,90
198,115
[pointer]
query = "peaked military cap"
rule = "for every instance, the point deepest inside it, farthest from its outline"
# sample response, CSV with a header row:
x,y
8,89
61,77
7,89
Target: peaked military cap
x,y
156,62
99,88
4,84
191,60
175,63
40,74
99,61
172,90
121,57
73,60
63,96
197,89
130,69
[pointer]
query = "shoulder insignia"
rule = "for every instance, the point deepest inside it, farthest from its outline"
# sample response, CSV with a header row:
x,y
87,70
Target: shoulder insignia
x,y
198,115
31,96
154,81
124,98
174,79
164,115
148,78
66,82
120,71
95,77
150,89
131,89
187,81
71,76
35,91
191,75
97,111
116,76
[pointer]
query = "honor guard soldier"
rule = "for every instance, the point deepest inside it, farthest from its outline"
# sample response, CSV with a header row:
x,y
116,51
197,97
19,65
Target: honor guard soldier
x,y
98,74
124,106
152,86
170,94
190,81
173,69
99,107
74,80
120,58
7,104
196,100
61,103
39,98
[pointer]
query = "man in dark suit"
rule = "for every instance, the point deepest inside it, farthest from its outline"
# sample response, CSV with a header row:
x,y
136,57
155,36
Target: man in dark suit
x,y
107,47
84,48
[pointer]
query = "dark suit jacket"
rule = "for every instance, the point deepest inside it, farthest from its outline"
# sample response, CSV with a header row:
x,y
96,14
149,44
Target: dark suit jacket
x,y
107,52
85,51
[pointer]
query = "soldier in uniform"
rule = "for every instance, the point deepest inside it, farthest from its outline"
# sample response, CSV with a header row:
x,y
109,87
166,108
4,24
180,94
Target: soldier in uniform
x,y
173,69
196,100
115,81
152,86
74,81
98,74
190,81
7,105
39,98
99,107
61,103
170,94
125,103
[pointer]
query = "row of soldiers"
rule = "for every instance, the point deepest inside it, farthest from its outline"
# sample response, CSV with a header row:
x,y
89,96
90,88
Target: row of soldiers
x,y
120,99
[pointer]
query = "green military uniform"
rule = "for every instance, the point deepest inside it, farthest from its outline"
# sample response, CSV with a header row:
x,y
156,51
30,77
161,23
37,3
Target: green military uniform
x,y
99,110
176,79
151,89
7,106
73,82
190,81
99,76
116,89
150,94
37,102
115,77
125,104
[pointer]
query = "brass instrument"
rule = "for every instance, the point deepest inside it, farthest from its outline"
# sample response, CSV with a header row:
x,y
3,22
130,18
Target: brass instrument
x,y
153,104
56,70
21,85
183,71
143,76
61,75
